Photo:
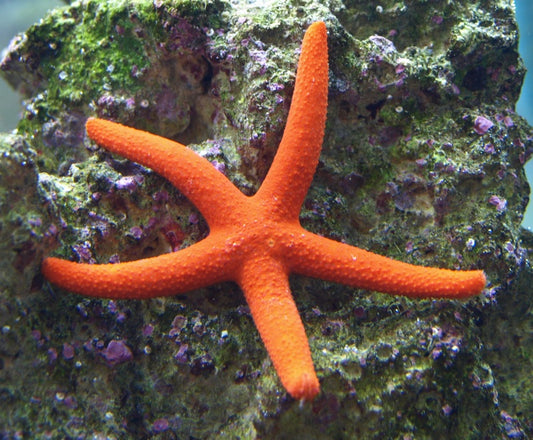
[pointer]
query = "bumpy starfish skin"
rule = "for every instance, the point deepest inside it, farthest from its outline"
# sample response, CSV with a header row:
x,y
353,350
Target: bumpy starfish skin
x,y
256,241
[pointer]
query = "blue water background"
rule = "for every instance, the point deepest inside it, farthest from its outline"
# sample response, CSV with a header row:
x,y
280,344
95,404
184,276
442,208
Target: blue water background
x,y
524,14
17,15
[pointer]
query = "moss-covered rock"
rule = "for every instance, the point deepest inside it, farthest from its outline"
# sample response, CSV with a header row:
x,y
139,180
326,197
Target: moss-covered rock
x,y
422,161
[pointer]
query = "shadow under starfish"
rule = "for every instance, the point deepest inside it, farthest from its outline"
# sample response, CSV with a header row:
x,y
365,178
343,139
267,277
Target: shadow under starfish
x,y
256,241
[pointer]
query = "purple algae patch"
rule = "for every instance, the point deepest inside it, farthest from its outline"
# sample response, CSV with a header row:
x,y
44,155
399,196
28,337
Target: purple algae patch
x,y
116,353
136,232
68,351
499,202
148,330
160,425
482,125
52,355
508,121
181,354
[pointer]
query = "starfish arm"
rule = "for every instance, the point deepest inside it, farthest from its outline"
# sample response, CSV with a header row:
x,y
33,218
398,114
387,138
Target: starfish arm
x,y
199,265
320,257
291,173
266,289
207,188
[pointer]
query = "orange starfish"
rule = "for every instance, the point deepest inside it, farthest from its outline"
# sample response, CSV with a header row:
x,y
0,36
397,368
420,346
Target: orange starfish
x,y
256,241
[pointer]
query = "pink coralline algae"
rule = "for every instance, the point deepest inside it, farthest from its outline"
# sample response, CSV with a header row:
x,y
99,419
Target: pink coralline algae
x,y
52,355
70,402
148,330
499,202
181,354
84,252
482,125
160,425
136,232
178,324
508,121
489,148
117,352
68,351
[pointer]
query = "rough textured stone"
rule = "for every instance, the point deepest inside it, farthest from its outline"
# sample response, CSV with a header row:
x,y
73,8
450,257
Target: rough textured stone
x,y
411,168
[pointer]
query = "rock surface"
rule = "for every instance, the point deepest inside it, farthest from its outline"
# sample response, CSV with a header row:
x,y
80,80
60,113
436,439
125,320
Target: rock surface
x,y
422,161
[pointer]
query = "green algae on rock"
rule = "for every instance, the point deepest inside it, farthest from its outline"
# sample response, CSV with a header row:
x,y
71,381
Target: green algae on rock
x,y
406,171
23,219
